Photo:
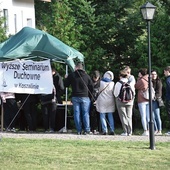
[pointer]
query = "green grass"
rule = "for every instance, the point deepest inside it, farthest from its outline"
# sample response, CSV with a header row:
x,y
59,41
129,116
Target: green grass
x,y
47,154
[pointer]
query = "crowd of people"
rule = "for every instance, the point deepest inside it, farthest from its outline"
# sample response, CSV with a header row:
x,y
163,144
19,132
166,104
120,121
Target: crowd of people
x,y
94,99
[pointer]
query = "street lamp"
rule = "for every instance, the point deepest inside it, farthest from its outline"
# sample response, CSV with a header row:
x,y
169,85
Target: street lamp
x,y
148,11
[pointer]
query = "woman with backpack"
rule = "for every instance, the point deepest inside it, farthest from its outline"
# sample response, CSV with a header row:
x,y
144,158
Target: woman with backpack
x,y
124,94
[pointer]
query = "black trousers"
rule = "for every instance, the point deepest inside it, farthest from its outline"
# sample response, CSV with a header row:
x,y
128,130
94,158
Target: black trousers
x,y
49,115
94,119
30,112
168,108
10,111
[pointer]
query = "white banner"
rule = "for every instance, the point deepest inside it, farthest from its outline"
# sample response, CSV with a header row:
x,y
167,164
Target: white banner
x,y
26,76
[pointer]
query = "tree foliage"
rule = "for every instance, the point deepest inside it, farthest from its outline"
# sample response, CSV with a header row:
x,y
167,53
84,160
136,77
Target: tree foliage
x,y
59,22
109,33
3,36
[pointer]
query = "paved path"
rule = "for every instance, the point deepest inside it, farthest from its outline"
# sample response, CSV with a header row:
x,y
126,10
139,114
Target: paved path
x,y
71,136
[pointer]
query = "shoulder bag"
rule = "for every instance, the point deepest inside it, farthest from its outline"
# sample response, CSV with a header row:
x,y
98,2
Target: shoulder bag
x,y
160,102
100,93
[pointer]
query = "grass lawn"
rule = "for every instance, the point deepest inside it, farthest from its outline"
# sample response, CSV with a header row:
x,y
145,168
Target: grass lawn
x,y
47,154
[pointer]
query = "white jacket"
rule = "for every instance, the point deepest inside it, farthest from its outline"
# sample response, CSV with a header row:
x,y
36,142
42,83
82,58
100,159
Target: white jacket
x,y
105,102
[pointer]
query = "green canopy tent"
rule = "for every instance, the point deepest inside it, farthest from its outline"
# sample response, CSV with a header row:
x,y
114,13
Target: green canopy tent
x,y
33,43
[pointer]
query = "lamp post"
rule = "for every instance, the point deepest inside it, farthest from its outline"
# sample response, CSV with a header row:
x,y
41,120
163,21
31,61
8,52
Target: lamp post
x,y
148,11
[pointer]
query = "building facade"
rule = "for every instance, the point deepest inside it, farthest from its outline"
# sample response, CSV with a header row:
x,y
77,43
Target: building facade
x,y
18,14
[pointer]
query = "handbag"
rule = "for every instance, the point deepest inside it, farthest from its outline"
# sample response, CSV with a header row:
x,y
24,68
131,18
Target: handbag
x,y
146,93
160,102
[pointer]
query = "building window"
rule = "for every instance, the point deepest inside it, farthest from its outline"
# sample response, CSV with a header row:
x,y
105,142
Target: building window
x,y
29,22
5,13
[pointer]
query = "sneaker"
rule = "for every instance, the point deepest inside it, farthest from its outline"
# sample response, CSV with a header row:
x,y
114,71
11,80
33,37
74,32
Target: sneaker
x,y
8,130
51,131
95,132
88,133
145,133
129,134
13,130
78,133
124,134
168,133
104,133
159,133
155,132
111,133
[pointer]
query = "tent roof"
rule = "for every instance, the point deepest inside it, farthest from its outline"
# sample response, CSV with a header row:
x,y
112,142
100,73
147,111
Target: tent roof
x,y
30,42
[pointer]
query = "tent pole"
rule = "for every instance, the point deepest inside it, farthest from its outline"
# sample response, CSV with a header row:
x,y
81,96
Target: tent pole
x,y
66,107
2,116
64,129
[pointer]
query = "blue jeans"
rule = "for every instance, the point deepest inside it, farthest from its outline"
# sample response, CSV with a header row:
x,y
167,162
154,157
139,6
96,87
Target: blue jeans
x,y
144,112
156,116
81,108
104,123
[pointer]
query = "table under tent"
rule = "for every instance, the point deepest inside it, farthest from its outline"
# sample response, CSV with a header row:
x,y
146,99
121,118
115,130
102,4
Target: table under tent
x,y
34,44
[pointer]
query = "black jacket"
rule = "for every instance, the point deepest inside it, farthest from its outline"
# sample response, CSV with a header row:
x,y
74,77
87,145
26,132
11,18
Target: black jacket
x,y
96,86
59,86
157,85
80,82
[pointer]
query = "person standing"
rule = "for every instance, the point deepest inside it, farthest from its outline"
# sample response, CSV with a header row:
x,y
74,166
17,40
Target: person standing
x,y
105,103
82,86
157,85
94,115
124,108
29,104
10,110
167,75
59,87
143,104
49,107
132,82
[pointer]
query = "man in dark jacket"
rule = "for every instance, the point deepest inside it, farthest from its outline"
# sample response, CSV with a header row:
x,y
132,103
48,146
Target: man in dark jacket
x,y
82,86
167,75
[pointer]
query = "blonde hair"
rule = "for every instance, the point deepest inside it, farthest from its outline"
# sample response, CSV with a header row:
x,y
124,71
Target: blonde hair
x,y
127,69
